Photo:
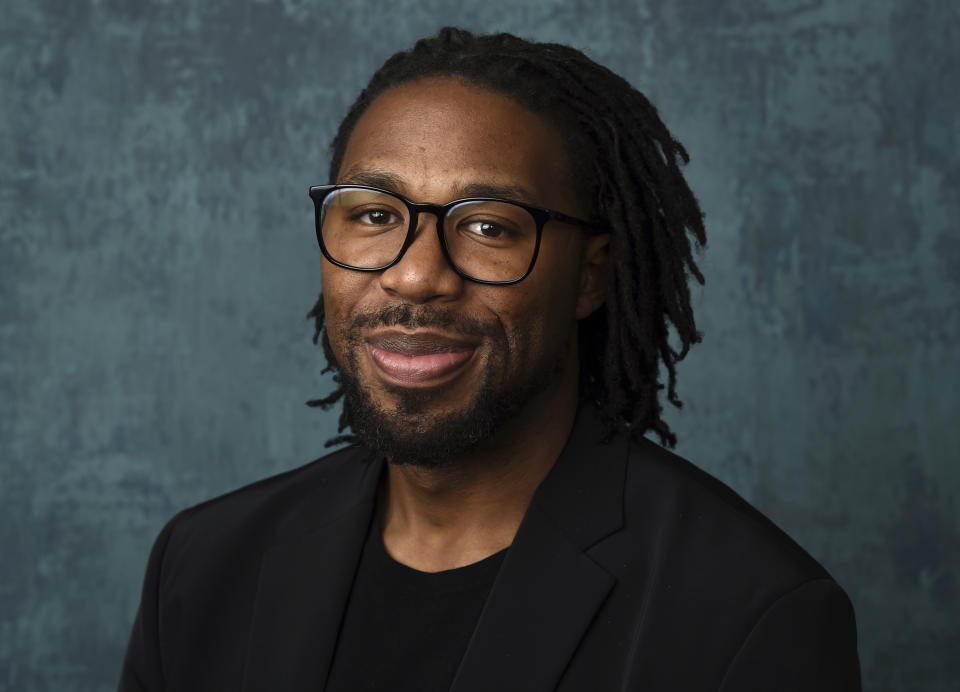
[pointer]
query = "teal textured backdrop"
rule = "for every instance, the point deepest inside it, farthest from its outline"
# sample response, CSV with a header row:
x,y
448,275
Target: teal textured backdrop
x,y
157,259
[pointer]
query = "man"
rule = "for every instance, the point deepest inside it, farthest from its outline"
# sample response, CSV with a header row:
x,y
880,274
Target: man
x,y
506,241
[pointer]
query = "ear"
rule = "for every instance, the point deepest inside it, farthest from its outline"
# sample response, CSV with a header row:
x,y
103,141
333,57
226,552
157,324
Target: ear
x,y
593,271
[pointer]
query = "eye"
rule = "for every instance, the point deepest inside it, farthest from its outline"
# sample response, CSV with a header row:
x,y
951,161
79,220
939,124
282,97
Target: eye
x,y
376,217
486,229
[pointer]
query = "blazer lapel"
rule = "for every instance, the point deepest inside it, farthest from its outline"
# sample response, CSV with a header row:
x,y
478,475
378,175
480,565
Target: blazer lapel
x,y
549,589
544,598
301,595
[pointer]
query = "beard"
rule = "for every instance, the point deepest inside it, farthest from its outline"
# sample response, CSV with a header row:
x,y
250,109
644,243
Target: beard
x,y
415,433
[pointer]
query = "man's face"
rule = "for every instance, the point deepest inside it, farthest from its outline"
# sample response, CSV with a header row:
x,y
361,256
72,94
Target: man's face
x,y
433,363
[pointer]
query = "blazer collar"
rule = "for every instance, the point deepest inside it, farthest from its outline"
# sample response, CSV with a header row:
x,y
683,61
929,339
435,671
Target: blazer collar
x,y
305,580
549,589
543,599
583,493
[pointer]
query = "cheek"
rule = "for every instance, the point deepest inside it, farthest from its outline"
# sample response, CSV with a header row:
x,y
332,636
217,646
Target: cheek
x,y
551,295
343,288
540,321
342,291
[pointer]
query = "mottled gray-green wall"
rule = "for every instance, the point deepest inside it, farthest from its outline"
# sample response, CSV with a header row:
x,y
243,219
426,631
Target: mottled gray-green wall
x,y
157,259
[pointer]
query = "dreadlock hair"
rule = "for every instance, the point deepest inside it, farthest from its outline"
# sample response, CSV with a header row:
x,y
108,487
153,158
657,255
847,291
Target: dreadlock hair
x,y
627,165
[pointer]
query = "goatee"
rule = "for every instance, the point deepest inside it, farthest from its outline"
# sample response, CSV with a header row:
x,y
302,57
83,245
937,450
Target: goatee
x,y
415,433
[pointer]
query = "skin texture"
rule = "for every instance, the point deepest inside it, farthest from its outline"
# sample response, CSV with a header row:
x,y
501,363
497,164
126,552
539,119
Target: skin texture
x,y
437,140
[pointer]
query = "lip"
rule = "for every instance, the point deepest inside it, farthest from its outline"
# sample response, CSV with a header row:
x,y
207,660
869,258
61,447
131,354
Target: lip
x,y
419,359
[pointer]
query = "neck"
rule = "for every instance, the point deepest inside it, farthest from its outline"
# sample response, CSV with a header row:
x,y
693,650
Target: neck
x,y
437,519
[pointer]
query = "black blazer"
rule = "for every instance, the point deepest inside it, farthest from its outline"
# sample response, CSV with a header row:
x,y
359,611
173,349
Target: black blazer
x,y
631,570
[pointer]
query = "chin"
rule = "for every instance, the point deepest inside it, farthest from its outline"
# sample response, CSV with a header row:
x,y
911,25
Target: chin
x,y
418,430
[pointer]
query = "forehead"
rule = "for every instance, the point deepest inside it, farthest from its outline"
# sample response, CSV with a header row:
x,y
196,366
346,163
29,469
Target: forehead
x,y
439,133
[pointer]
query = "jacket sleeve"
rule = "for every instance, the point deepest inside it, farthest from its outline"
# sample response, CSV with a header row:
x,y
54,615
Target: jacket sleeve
x,y
806,640
142,666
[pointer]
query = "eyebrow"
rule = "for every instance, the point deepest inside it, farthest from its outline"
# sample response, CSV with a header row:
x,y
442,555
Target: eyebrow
x,y
374,178
511,192
394,183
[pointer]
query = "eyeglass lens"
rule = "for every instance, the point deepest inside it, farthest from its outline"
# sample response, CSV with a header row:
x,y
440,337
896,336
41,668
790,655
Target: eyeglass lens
x,y
490,241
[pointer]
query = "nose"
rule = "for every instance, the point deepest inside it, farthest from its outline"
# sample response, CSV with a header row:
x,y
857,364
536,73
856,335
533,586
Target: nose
x,y
423,274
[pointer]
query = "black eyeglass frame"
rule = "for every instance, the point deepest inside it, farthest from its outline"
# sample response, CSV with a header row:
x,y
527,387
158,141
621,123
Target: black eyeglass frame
x,y
318,193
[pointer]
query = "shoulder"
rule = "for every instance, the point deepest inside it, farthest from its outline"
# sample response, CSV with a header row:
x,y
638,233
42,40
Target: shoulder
x,y
708,518
700,574
203,576
705,557
267,511
690,536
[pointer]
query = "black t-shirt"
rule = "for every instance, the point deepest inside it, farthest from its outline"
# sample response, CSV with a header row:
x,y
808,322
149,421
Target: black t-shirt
x,y
405,629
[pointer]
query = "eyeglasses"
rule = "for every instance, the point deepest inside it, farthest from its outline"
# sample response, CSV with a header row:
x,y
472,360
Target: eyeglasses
x,y
487,240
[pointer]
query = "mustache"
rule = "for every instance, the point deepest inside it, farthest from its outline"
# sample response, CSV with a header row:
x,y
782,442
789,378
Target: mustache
x,y
419,317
